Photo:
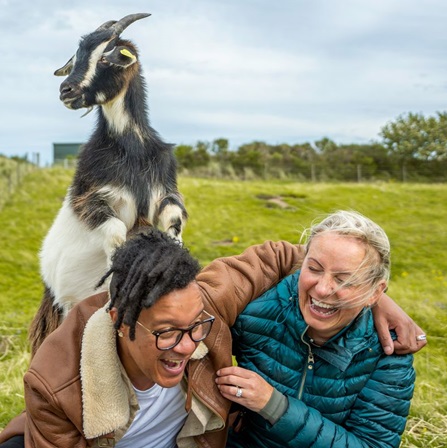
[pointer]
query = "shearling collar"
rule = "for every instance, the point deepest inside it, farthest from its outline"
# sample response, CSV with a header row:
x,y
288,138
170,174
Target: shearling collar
x,y
107,395
108,399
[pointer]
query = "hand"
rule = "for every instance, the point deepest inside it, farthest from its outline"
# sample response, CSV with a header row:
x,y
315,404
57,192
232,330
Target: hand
x,y
256,392
389,316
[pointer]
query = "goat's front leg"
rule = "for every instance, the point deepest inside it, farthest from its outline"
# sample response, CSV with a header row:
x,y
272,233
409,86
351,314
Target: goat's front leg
x,y
113,233
95,210
172,216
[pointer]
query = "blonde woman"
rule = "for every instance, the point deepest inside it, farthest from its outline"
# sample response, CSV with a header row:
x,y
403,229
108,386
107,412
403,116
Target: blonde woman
x,y
311,370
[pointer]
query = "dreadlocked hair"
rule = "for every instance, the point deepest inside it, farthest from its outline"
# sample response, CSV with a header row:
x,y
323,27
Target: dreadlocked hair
x,y
147,266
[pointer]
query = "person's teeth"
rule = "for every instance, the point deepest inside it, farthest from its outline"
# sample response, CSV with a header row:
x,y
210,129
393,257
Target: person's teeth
x,y
173,363
321,304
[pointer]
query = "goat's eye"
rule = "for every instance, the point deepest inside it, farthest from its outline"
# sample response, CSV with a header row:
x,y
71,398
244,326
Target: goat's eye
x,y
104,61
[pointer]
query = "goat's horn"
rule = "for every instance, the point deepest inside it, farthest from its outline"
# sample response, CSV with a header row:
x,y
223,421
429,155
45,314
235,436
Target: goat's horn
x,y
106,25
122,24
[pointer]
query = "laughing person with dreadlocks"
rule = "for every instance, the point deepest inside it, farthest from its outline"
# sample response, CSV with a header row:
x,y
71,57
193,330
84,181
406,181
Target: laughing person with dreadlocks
x,y
132,368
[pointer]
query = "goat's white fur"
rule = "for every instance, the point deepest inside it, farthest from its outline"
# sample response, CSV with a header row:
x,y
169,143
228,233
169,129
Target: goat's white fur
x,y
100,97
93,60
73,257
116,114
72,260
165,217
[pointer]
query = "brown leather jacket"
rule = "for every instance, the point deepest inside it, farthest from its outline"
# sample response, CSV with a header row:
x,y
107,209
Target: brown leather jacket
x,y
78,395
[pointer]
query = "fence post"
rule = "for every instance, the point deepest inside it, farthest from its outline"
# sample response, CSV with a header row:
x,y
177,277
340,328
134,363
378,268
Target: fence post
x,y
18,173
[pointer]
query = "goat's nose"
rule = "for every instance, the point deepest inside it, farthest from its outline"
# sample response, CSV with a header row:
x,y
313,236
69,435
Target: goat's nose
x,y
69,91
65,88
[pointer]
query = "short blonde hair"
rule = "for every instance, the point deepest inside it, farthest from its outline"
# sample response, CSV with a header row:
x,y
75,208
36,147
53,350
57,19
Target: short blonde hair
x,y
375,267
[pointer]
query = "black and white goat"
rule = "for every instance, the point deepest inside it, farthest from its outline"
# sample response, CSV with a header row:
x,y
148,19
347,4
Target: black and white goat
x,y
126,175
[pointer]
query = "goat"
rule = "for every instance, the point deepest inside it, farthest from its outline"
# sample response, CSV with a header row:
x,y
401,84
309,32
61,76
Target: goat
x,y
125,176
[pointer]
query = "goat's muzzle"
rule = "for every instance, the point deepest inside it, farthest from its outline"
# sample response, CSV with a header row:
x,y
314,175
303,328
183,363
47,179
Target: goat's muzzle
x,y
71,95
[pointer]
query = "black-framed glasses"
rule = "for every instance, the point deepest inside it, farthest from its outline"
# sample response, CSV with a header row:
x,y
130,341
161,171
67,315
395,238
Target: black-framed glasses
x,y
169,338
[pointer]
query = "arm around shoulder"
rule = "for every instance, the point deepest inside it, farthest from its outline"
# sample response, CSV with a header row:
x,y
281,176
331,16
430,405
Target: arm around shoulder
x,y
230,283
390,316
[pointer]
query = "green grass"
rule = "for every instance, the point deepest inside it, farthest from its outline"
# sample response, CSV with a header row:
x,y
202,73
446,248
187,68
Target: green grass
x,y
226,217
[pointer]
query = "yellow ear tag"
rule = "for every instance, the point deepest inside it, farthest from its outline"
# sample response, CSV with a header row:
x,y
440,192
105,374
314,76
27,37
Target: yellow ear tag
x,y
126,52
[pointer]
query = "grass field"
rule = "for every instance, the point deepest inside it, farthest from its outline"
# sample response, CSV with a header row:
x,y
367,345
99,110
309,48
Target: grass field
x,y
225,218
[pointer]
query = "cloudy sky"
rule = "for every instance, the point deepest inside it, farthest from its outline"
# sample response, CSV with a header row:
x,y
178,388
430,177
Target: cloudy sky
x,y
284,71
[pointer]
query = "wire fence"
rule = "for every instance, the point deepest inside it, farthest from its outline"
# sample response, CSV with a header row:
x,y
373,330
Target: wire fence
x,y
12,173
352,173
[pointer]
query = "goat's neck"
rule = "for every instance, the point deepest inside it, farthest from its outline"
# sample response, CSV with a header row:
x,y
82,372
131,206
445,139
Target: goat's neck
x,y
121,119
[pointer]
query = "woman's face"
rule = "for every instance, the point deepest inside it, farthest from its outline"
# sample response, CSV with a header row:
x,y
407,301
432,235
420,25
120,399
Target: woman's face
x,y
330,261
144,363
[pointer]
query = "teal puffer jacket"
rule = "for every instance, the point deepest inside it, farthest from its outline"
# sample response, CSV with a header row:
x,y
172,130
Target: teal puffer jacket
x,y
345,394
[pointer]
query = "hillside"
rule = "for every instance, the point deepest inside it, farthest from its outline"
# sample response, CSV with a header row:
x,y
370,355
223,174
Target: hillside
x,y
226,217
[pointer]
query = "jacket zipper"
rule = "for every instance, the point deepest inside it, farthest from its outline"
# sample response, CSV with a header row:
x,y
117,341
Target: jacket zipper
x,y
308,367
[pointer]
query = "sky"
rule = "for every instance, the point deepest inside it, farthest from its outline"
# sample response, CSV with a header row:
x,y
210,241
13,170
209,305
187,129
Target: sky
x,y
289,71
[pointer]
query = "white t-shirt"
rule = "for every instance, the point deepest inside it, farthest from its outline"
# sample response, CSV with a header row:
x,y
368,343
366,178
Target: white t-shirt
x,y
159,420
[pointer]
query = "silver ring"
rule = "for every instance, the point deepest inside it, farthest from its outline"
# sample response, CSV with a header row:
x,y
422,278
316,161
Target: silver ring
x,y
238,392
421,337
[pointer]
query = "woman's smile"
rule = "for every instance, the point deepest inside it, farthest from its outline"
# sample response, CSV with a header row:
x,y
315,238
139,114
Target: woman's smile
x,y
323,295
322,309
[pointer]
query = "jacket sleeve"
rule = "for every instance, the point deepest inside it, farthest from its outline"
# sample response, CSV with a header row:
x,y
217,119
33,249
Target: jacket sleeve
x,y
230,283
16,427
377,419
47,425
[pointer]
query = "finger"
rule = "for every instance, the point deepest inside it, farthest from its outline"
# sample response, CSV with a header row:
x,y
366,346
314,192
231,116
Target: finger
x,y
231,380
419,341
421,344
404,349
231,392
384,336
225,371
229,389
234,370
407,338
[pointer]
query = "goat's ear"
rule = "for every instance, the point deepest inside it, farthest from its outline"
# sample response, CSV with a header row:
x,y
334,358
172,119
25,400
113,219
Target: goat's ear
x,y
121,55
66,69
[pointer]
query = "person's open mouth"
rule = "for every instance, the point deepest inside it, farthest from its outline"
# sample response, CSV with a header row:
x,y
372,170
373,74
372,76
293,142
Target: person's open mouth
x,y
322,309
174,366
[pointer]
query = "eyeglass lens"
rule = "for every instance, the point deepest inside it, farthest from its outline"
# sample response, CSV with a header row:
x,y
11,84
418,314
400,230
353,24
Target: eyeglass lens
x,y
170,339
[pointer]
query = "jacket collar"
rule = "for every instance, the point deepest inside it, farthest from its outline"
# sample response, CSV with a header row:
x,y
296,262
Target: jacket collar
x,y
341,349
107,395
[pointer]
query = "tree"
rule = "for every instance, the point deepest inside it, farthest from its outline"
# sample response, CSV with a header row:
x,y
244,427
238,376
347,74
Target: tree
x,y
219,147
201,154
254,155
185,156
326,145
416,137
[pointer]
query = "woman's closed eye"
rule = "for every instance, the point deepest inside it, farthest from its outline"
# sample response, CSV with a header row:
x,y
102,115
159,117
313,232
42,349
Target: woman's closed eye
x,y
340,281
